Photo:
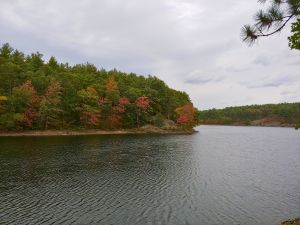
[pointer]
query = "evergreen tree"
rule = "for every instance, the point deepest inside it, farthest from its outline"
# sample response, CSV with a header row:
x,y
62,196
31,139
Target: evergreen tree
x,y
273,20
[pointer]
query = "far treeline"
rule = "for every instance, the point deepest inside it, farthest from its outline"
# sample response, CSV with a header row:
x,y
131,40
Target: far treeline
x,y
40,95
284,114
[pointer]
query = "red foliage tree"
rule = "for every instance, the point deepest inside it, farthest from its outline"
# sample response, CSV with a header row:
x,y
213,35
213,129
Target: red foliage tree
x,y
115,116
119,108
185,114
90,118
124,101
114,121
142,102
183,119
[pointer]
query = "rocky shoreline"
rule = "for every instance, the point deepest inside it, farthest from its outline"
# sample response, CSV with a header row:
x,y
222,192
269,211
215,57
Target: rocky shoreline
x,y
292,222
148,129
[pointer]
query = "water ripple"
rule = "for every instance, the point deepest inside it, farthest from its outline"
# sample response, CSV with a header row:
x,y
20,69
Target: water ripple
x,y
222,175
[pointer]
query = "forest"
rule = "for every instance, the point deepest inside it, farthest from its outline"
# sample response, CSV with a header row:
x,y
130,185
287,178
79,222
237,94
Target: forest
x,y
284,114
38,95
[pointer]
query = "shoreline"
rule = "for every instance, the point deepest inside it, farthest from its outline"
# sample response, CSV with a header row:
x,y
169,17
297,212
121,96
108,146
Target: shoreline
x,y
90,132
244,125
292,222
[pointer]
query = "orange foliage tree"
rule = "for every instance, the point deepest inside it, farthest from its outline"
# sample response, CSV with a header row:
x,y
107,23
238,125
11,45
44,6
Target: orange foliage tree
x,y
185,115
111,84
31,113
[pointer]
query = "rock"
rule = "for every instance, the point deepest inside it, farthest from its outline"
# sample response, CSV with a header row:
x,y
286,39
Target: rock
x,y
151,129
291,222
169,125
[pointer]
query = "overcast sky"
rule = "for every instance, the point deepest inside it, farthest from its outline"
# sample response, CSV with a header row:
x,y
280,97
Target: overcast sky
x,y
193,45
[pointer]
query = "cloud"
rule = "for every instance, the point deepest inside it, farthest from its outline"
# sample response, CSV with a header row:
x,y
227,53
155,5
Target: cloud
x,y
284,80
199,78
277,80
193,45
262,60
198,81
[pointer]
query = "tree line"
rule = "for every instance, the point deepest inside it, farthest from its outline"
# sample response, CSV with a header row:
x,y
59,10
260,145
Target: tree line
x,y
285,113
37,95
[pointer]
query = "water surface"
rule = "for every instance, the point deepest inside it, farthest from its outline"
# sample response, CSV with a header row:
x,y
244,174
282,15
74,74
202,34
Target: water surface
x,y
221,175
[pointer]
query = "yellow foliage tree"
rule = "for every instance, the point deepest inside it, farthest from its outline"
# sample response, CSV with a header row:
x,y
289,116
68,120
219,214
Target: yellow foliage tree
x,y
111,84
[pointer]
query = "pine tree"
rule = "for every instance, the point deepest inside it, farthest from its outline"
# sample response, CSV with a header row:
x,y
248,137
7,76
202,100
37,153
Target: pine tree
x,y
273,20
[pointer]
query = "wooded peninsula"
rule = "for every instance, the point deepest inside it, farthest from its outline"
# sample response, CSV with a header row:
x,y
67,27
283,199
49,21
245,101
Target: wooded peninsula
x,y
40,95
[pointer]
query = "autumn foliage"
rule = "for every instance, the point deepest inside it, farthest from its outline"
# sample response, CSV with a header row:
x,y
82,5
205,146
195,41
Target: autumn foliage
x,y
186,115
90,119
48,110
142,102
31,113
119,108
111,84
124,101
36,94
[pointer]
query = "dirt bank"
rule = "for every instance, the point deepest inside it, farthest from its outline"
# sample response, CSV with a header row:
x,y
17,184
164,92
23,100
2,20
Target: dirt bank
x,y
148,129
291,222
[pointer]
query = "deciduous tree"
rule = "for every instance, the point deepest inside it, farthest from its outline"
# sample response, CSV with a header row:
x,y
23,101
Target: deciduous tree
x,y
89,108
186,115
48,110
142,104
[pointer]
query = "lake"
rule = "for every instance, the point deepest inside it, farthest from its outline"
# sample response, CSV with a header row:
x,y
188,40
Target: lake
x,y
220,175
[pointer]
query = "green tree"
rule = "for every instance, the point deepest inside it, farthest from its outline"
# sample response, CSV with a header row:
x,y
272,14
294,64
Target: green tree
x,y
6,50
24,104
35,61
294,39
18,58
48,110
273,20
90,113
52,63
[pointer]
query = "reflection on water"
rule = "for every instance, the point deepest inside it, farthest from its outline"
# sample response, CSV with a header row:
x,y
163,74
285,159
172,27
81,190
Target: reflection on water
x,y
221,175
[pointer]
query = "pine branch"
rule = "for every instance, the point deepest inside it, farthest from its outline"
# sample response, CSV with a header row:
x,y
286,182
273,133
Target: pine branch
x,y
275,31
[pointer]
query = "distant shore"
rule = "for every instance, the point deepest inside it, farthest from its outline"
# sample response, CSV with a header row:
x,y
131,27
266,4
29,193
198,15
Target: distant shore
x,y
265,122
84,132
251,125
